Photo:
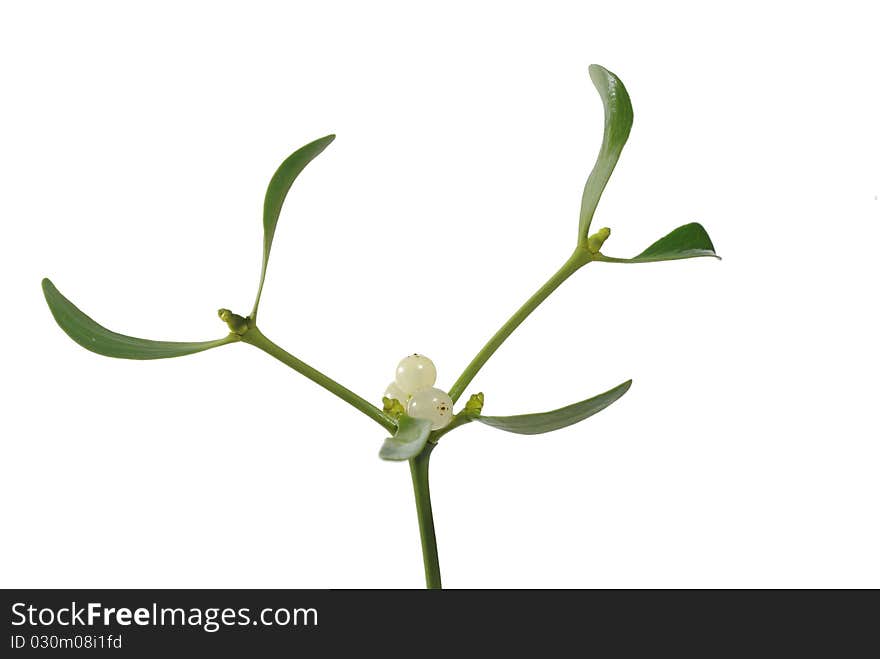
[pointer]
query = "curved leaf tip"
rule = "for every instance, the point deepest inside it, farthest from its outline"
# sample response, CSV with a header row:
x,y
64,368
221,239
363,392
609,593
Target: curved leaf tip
x,y
618,106
92,336
688,241
276,193
618,122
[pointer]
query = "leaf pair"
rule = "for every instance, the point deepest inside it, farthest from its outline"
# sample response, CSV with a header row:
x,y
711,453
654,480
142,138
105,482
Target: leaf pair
x,y
92,336
687,241
412,434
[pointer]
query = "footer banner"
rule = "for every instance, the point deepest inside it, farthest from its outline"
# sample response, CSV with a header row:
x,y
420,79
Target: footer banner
x,y
120,623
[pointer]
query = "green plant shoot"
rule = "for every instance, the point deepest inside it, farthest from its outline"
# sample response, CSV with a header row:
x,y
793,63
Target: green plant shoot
x,y
414,412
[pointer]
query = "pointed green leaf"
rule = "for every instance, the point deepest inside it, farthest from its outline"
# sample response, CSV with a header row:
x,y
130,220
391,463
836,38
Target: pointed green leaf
x,y
92,336
535,424
618,121
686,242
276,193
408,441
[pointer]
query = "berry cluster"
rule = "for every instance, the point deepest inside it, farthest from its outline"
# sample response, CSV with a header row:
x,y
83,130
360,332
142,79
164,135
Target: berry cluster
x,y
414,389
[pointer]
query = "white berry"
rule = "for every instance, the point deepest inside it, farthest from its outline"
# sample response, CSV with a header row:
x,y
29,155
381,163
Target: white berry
x,y
432,404
415,372
393,391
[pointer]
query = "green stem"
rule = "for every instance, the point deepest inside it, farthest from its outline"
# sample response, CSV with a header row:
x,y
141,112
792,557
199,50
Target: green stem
x,y
256,338
418,467
580,258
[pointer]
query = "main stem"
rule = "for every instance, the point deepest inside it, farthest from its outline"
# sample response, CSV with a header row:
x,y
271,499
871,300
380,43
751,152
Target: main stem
x,y
418,467
579,258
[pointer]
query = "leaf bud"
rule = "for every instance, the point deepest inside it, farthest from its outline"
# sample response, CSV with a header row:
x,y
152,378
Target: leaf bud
x,y
474,406
595,242
392,407
237,324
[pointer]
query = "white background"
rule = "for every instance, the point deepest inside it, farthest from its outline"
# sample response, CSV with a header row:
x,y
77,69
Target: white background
x,y
137,140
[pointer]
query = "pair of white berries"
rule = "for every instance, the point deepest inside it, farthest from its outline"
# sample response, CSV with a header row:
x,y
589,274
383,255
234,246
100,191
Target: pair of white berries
x,y
414,387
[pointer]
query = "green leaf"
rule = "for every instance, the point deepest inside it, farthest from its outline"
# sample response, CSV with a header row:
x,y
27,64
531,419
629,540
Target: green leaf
x,y
535,424
408,441
686,242
91,336
276,193
618,121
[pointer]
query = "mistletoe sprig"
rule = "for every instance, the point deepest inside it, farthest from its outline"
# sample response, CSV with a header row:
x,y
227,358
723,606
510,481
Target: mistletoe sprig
x,y
414,412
